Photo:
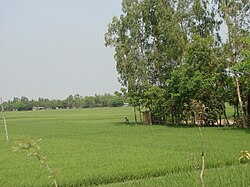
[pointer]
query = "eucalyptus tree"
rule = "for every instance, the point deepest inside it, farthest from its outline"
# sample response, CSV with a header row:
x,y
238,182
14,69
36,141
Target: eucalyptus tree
x,y
236,15
125,35
243,71
169,53
197,77
148,43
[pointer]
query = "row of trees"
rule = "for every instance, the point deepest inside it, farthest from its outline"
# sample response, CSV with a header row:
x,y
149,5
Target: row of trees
x,y
174,60
71,101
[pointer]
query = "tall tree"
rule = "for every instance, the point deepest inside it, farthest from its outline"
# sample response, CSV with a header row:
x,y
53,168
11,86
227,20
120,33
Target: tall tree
x,y
148,43
169,53
236,15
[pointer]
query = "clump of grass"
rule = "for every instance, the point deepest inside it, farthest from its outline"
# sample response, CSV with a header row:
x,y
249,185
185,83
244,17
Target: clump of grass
x,y
34,150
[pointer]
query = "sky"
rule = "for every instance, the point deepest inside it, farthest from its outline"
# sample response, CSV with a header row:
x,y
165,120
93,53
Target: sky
x,y
54,48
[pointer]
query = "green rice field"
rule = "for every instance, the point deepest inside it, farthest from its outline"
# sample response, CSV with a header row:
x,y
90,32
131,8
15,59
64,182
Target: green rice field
x,y
93,147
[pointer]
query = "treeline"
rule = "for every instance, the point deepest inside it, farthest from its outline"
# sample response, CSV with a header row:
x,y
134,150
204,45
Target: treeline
x,y
175,64
76,101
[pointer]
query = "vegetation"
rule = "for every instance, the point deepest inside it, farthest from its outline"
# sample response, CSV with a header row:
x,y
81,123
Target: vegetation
x,y
77,101
245,157
34,150
170,54
94,146
174,66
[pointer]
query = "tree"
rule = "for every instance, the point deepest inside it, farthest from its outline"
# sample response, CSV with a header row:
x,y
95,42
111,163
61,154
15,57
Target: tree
x,y
148,44
117,101
236,16
242,69
89,102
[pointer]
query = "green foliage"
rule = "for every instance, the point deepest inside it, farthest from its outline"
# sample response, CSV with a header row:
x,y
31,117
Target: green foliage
x,y
171,46
175,46
243,68
117,102
148,42
77,101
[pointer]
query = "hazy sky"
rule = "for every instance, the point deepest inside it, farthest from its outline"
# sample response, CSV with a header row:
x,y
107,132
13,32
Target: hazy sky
x,y
54,48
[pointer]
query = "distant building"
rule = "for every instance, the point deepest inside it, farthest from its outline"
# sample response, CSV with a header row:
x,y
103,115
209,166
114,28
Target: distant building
x,y
38,108
125,104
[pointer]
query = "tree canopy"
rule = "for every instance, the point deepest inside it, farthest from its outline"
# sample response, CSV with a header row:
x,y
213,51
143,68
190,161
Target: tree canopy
x,y
170,55
76,101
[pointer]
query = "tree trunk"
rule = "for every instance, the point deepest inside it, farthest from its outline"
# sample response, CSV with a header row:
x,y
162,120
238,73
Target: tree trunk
x,y
225,114
248,109
248,105
140,114
176,119
194,118
135,115
172,116
240,103
220,120
236,109
164,120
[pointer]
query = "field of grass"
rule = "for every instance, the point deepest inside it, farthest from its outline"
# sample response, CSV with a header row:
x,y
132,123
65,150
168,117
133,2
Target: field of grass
x,y
95,147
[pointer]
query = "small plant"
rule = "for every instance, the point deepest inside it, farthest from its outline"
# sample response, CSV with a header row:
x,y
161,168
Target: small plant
x,y
34,151
244,157
4,121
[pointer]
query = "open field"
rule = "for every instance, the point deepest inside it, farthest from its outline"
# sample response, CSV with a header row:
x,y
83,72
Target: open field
x,y
95,147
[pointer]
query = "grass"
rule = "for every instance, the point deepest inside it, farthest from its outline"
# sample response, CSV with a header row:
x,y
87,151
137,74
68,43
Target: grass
x,y
226,176
229,110
95,147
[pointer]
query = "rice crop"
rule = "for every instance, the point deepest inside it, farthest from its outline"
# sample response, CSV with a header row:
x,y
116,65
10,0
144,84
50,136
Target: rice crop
x,y
89,147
